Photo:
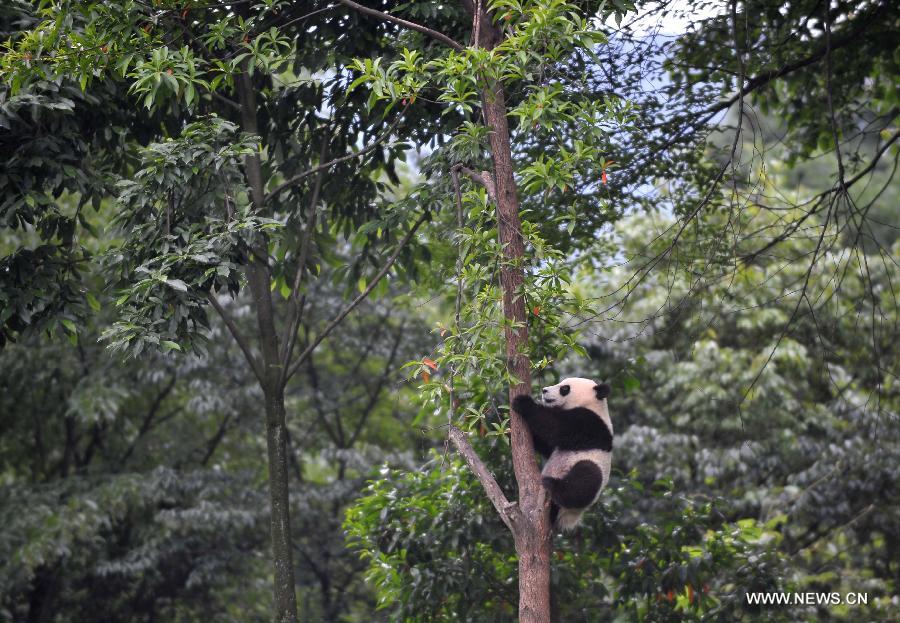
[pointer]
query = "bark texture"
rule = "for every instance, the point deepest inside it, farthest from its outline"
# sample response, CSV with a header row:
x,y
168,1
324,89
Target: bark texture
x,y
285,610
532,535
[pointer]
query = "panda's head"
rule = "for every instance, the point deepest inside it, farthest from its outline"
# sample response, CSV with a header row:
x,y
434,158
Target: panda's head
x,y
575,392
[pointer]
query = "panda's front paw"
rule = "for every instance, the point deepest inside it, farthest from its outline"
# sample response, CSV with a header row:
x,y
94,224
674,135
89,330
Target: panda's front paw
x,y
523,405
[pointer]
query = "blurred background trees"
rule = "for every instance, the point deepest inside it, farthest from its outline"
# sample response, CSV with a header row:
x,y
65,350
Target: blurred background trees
x,y
730,268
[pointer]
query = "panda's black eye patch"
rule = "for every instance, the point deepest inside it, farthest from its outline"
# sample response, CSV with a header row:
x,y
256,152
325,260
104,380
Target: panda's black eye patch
x,y
564,390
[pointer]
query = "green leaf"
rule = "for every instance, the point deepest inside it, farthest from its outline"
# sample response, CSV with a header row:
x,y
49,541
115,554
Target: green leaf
x,y
92,301
177,284
68,324
170,345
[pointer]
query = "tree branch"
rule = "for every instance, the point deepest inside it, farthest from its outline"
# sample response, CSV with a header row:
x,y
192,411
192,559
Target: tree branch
x,y
482,179
290,182
402,22
147,422
352,305
765,77
238,337
213,443
820,200
508,511
379,383
293,321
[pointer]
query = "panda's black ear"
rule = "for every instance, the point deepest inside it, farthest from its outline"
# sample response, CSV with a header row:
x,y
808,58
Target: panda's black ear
x,y
602,391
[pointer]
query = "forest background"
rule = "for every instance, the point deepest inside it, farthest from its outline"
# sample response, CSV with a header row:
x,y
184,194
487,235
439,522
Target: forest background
x,y
255,268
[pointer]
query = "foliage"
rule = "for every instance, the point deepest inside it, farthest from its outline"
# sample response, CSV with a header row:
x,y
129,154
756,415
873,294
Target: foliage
x,y
194,187
730,273
433,551
188,536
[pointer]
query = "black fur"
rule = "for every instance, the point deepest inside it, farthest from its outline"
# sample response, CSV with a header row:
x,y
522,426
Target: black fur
x,y
554,512
566,429
578,488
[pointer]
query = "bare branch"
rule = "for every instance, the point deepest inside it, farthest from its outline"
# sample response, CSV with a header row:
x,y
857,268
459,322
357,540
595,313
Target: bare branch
x,y
238,337
402,22
508,511
352,305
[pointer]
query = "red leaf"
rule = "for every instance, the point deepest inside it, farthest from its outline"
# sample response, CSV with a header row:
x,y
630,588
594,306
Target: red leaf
x,y
431,363
426,377
603,176
536,311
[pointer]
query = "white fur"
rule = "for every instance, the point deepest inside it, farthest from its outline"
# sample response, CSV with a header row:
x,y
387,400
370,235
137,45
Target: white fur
x,y
581,394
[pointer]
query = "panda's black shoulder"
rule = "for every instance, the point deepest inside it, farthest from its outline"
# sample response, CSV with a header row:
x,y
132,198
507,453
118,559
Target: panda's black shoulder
x,y
586,430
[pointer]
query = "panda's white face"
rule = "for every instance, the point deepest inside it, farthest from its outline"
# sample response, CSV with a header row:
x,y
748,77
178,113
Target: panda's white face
x,y
573,393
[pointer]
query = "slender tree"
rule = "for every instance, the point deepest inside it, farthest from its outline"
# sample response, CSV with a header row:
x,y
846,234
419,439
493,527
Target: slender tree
x,y
505,39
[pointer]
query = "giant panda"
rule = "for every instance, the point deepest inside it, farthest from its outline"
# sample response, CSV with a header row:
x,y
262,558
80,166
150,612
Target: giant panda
x,y
572,430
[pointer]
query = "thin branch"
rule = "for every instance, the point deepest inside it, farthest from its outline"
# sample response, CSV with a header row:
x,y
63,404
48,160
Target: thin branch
x,y
147,422
352,305
451,412
765,77
402,22
238,337
820,200
828,98
289,339
508,511
379,383
290,182
213,443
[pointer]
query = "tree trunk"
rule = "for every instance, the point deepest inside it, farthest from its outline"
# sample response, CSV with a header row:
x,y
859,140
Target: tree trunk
x,y
273,388
532,536
531,532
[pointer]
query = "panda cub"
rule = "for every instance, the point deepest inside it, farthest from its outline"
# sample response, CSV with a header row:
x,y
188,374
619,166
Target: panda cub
x,y
572,430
